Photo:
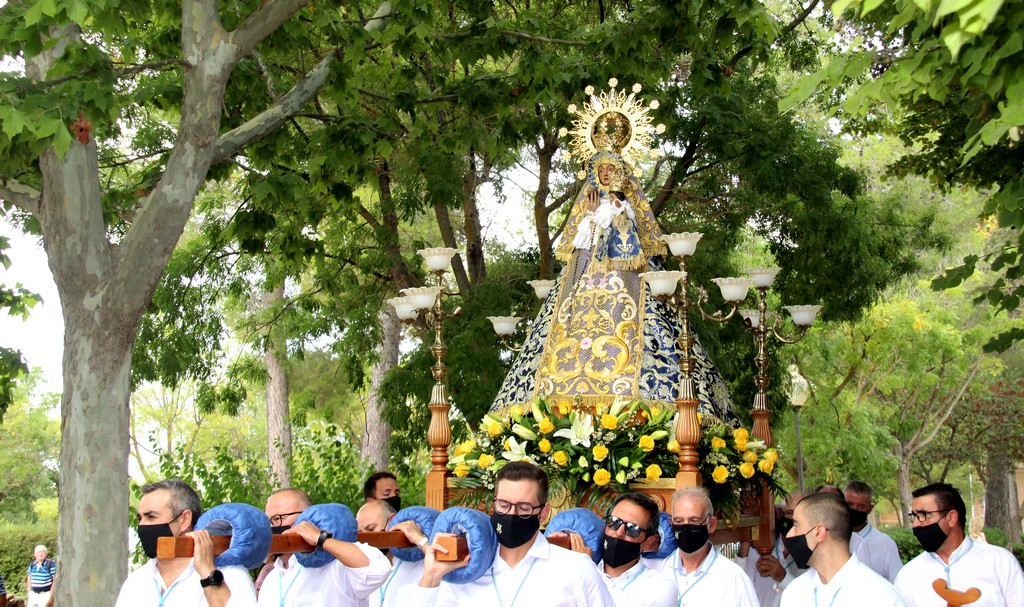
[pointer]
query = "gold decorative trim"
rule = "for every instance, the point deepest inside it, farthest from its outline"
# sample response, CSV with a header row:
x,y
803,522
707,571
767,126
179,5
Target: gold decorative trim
x,y
614,120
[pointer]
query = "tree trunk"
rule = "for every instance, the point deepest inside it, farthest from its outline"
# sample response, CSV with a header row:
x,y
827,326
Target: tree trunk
x,y
476,266
997,492
377,433
545,155
279,425
1015,515
903,486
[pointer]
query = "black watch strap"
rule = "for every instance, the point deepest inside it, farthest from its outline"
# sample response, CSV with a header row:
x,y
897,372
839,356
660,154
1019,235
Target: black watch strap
x,y
324,536
216,578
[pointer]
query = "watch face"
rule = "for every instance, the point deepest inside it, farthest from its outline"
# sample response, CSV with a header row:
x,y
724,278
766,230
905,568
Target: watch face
x,y
216,578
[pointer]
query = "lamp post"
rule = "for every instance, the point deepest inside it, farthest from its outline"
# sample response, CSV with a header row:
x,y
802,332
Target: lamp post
x,y
797,398
426,303
664,286
505,326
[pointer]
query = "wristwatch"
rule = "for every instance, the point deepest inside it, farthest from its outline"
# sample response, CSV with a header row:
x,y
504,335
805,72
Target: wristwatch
x,y
216,578
423,542
324,536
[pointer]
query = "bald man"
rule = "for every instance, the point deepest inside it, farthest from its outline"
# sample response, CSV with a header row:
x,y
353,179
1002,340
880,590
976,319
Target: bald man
x,y
375,515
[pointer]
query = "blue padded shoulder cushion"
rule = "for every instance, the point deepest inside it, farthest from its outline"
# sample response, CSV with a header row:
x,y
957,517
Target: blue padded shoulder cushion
x,y
337,519
422,516
668,540
249,529
483,542
583,521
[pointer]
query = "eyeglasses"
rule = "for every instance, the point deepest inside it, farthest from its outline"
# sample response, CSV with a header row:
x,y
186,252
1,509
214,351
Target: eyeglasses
x,y
278,519
691,521
522,509
632,529
923,515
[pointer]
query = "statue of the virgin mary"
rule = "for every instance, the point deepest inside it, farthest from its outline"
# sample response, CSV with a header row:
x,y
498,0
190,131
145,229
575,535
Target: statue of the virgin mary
x,y
600,334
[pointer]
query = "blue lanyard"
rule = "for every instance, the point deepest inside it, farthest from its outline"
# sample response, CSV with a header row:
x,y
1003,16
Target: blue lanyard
x,y
675,573
391,578
638,574
832,602
280,588
518,590
163,596
949,582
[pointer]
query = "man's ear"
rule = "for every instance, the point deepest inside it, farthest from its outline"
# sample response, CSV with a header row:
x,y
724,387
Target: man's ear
x,y
712,525
545,514
391,517
185,521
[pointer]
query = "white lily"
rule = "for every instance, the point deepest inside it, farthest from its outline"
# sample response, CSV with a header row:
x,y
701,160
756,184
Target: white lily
x,y
618,405
523,432
581,430
516,451
537,413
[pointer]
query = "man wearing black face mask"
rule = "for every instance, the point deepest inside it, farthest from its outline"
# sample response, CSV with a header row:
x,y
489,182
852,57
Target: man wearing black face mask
x,y
527,571
631,527
820,538
383,486
772,573
938,514
170,508
877,550
702,576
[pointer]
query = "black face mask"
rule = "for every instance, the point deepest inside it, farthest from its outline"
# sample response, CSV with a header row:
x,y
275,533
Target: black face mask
x,y
280,529
857,518
931,537
514,531
618,551
798,549
783,525
148,535
395,501
690,538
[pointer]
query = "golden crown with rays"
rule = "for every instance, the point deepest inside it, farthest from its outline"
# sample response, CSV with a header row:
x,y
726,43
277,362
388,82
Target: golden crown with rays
x,y
614,120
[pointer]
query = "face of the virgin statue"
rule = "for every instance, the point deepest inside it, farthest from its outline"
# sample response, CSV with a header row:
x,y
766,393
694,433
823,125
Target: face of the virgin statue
x,y
604,173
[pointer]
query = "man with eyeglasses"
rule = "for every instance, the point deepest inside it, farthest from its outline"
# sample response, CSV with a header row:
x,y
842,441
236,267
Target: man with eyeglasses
x,y
820,538
877,550
358,569
170,508
938,514
527,570
631,527
702,576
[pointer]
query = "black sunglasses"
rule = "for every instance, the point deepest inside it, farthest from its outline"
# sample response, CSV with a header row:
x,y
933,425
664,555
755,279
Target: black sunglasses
x,y
632,529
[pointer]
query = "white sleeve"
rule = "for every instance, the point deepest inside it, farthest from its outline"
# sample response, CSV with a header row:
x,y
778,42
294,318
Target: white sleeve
x,y
591,590
238,581
361,581
893,564
418,596
584,234
1012,580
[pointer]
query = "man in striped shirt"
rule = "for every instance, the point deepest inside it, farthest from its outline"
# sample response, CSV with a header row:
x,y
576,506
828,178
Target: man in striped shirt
x,y
41,572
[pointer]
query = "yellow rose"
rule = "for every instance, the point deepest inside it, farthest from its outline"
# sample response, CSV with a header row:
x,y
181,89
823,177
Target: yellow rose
x,y
609,422
647,443
465,447
564,407
740,438
545,426
771,455
602,477
766,466
516,411
485,460
653,472
560,458
600,452
655,411
747,469
462,470
720,474
717,443
749,456
544,445
495,430
673,446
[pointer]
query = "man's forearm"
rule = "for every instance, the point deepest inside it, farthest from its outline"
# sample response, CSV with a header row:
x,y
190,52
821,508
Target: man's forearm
x,y
217,596
349,554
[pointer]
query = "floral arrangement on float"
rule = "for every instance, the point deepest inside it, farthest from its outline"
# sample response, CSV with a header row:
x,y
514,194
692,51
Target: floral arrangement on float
x,y
590,457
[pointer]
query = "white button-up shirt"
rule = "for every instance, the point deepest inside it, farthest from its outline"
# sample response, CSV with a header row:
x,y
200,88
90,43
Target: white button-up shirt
x,y
854,585
991,569
716,581
145,586
768,591
332,584
548,576
391,594
639,586
878,551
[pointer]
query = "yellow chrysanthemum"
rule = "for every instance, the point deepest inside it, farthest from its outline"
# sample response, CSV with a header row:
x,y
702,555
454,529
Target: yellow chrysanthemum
x,y
609,422
602,477
600,452
673,446
749,456
771,455
544,445
545,426
494,430
720,474
462,470
647,443
486,460
717,443
560,458
653,472
746,469
766,466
